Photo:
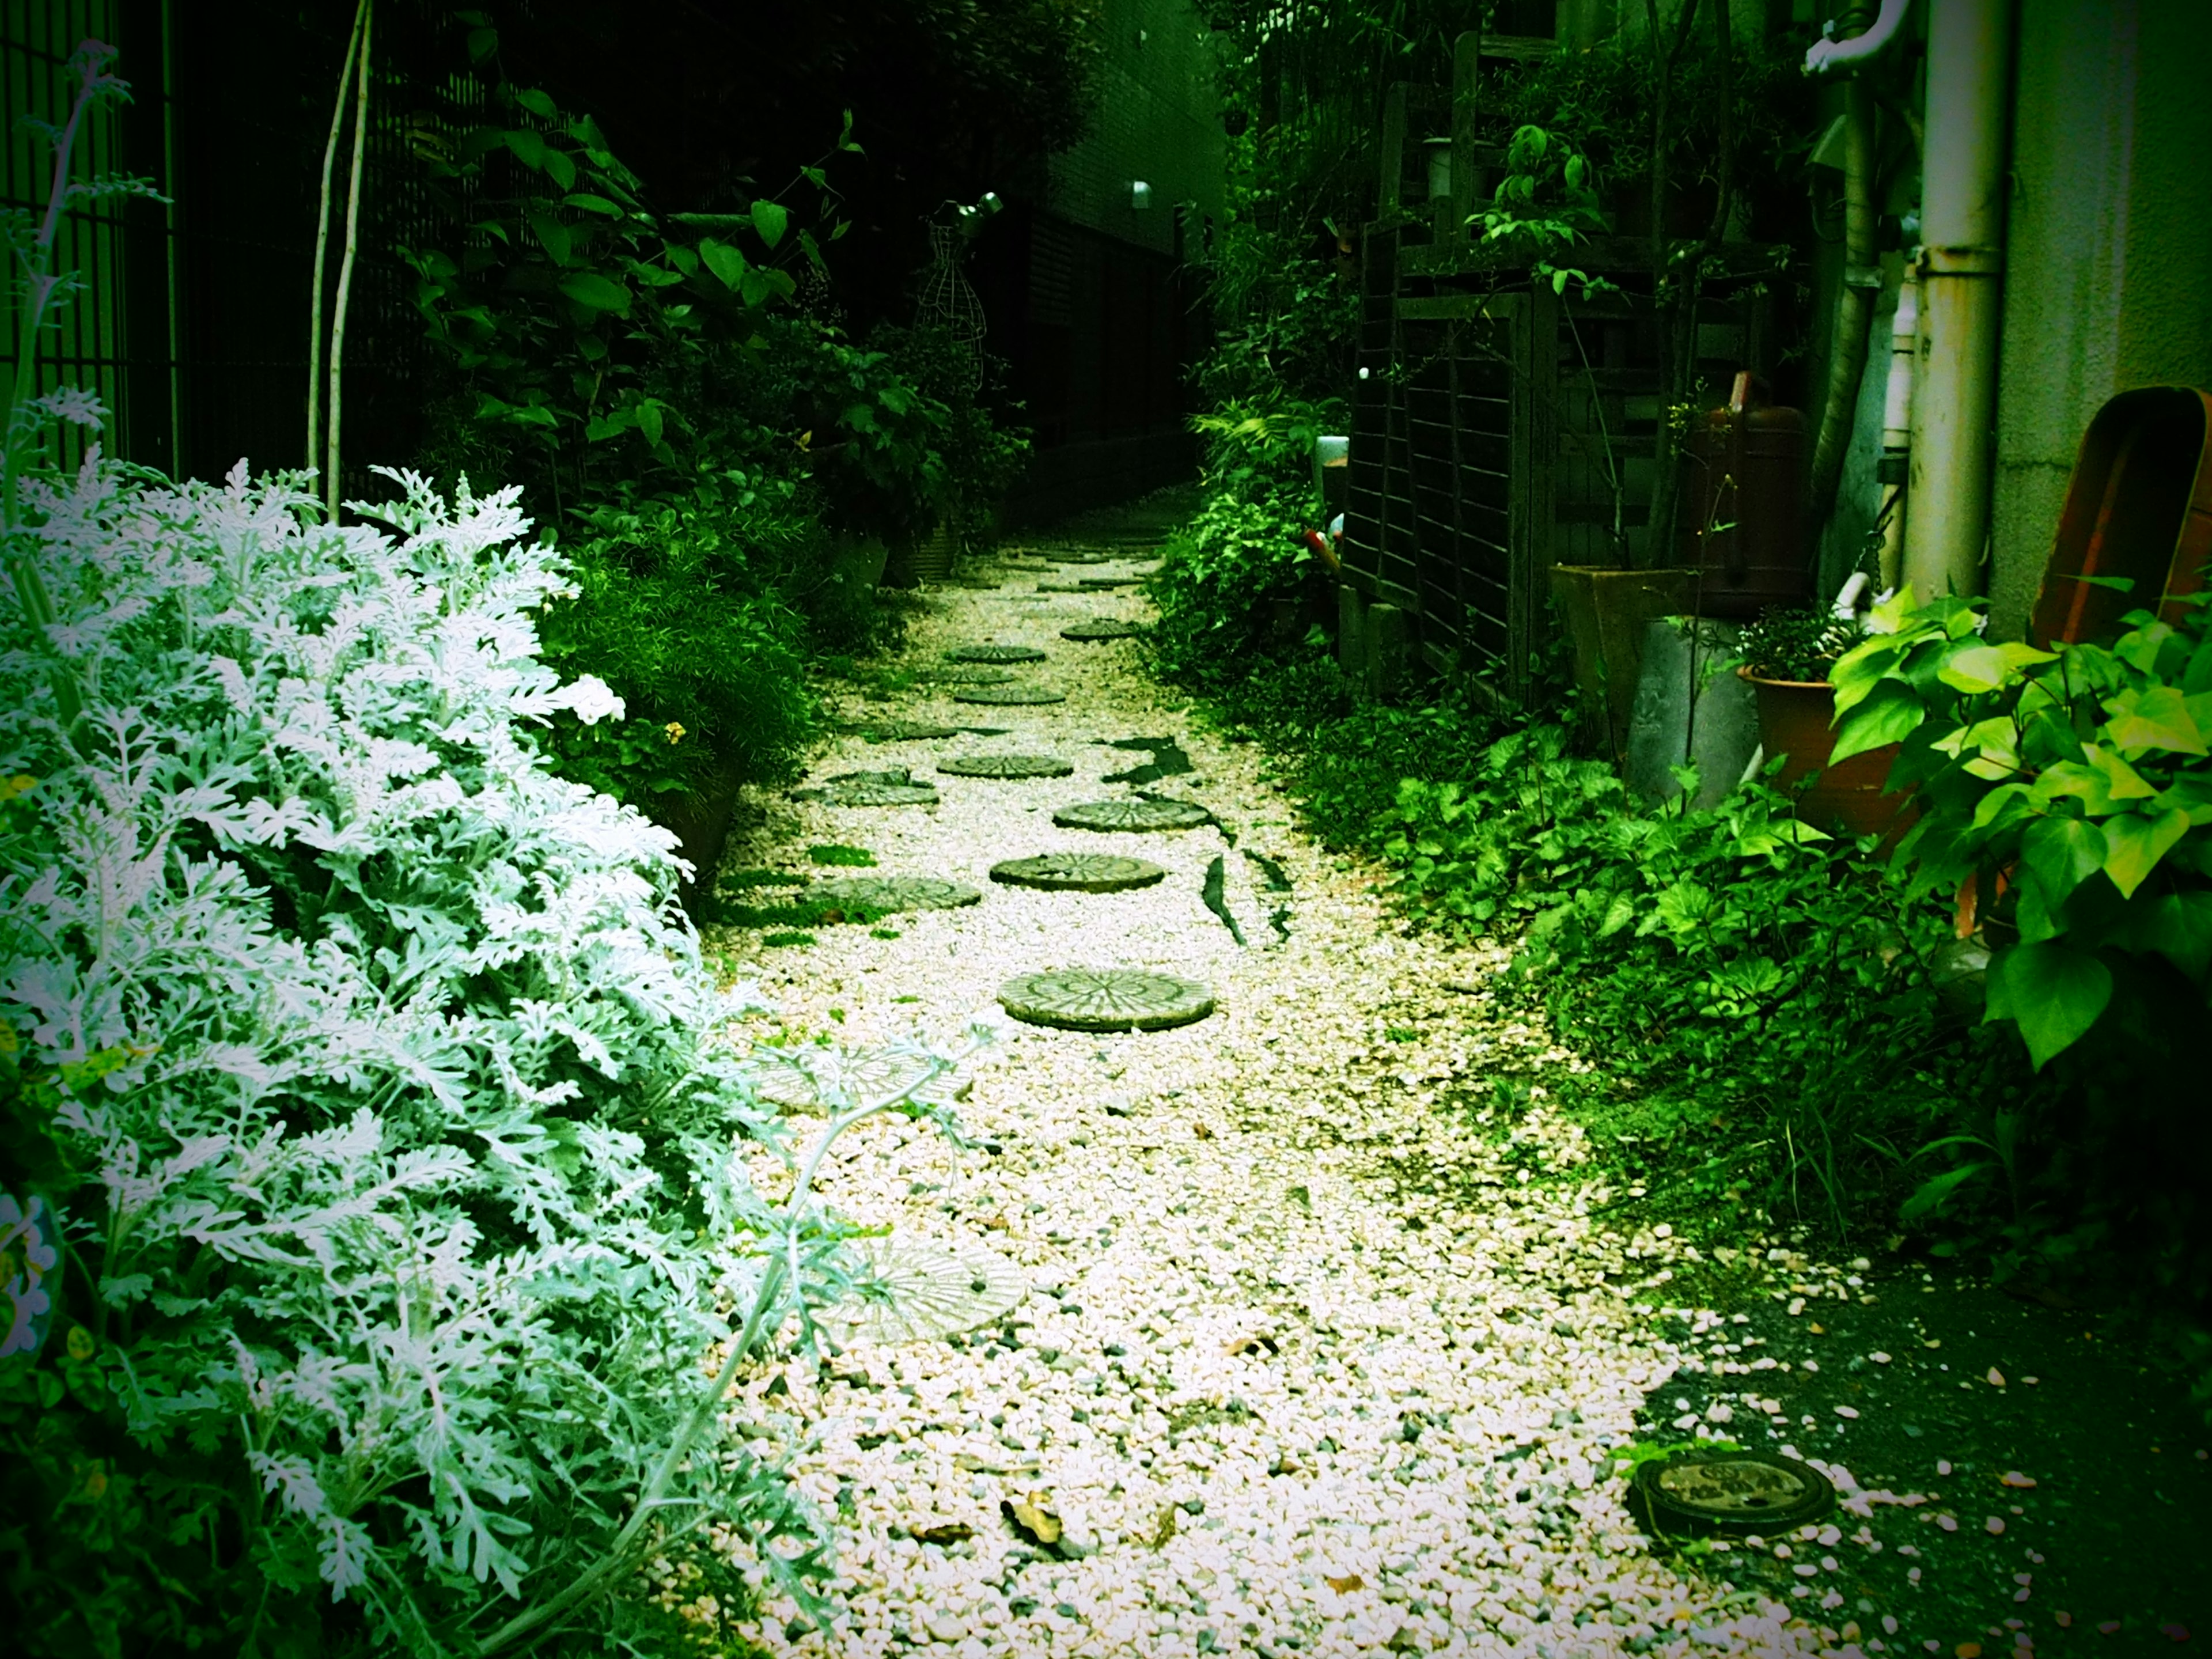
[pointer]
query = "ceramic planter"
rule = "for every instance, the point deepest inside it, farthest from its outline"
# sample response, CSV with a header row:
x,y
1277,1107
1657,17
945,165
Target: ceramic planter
x,y
1795,720
927,558
1606,613
701,820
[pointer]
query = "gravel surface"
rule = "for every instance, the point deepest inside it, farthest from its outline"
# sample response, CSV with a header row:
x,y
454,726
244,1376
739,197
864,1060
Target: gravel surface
x,y
1259,1399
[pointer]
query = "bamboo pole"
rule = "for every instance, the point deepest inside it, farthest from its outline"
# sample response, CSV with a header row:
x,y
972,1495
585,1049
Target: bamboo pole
x,y
322,243
345,264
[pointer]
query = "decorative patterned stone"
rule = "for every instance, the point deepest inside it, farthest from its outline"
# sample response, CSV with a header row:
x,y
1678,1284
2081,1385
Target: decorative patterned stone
x,y
1106,582
1005,766
1102,630
908,730
810,1078
963,674
884,894
1133,815
1007,695
928,1290
1105,999
995,653
870,792
1078,872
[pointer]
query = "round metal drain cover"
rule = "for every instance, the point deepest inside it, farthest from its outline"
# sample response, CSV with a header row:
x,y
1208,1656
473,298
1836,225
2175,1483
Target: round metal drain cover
x,y
886,894
1102,630
995,653
1105,999
1007,696
1005,766
1133,815
1078,872
1731,1492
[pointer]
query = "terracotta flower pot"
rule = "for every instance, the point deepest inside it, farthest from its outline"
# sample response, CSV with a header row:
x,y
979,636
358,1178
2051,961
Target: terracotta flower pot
x,y
1795,720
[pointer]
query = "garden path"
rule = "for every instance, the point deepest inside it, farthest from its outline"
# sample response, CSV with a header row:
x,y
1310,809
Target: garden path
x,y
1310,1364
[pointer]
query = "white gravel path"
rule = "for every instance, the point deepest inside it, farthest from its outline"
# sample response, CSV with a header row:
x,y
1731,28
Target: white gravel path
x,y
1278,1404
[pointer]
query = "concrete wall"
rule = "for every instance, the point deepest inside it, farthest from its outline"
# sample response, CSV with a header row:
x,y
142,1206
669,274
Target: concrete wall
x,y
2108,267
1158,119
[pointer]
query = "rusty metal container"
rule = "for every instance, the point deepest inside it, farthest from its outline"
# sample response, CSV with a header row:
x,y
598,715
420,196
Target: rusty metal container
x,y
1744,476
2139,506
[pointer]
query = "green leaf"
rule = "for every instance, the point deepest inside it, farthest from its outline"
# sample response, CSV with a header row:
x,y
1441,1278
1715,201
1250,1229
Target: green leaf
x,y
560,168
2063,851
1931,1196
2135,844
536,103
769,221
649,420
2054,993
552,235
604,426
482,44
2180,928
1975,669
528,148
1889,713
2160,718
727,263
598,293
588,202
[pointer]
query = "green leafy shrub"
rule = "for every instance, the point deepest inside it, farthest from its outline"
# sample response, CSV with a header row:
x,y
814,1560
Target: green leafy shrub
x,y
366,1071
666,607
1797,645
1216,586
2078,781
1734,960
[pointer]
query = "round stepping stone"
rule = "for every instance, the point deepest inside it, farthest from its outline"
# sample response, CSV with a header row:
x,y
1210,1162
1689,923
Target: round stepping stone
x,y
1078,872
1005,766
1063,587
870,794
1102,630
1007,695
884,894
959,675
796,1079
908,730
929,1290
1133,815
1105,999
995,653
1106,582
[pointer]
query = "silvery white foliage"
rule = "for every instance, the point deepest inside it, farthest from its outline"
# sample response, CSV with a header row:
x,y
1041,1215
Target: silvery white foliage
x,y
420,1180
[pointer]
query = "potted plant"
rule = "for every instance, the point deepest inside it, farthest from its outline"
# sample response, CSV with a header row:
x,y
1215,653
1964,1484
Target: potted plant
x,y
1787,655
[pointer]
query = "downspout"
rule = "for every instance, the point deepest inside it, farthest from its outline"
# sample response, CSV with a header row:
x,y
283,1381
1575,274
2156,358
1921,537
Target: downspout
x,y
1893,471
1962,236
1847,353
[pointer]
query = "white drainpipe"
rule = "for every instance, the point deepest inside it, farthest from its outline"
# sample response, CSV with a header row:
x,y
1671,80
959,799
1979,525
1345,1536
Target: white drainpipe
x,y
1893,471
1828,53
1962,235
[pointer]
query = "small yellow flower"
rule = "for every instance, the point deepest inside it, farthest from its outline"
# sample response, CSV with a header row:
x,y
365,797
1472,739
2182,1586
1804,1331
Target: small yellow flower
x,y
80,1343
675,730
21,783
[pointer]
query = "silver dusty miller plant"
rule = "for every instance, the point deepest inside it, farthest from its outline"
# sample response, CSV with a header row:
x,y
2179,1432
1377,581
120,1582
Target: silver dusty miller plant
x,y
408,1174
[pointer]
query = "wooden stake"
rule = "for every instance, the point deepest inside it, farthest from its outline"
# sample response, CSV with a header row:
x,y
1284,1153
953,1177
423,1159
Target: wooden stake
x,y
345,266
322,239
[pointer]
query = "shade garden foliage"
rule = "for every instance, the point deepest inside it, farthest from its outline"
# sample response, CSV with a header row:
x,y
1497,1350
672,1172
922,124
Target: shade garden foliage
x,y
1787,1026
376,1224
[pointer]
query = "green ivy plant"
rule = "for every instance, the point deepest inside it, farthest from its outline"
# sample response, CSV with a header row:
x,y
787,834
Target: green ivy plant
x,y
568,290
1797,645
2080,774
